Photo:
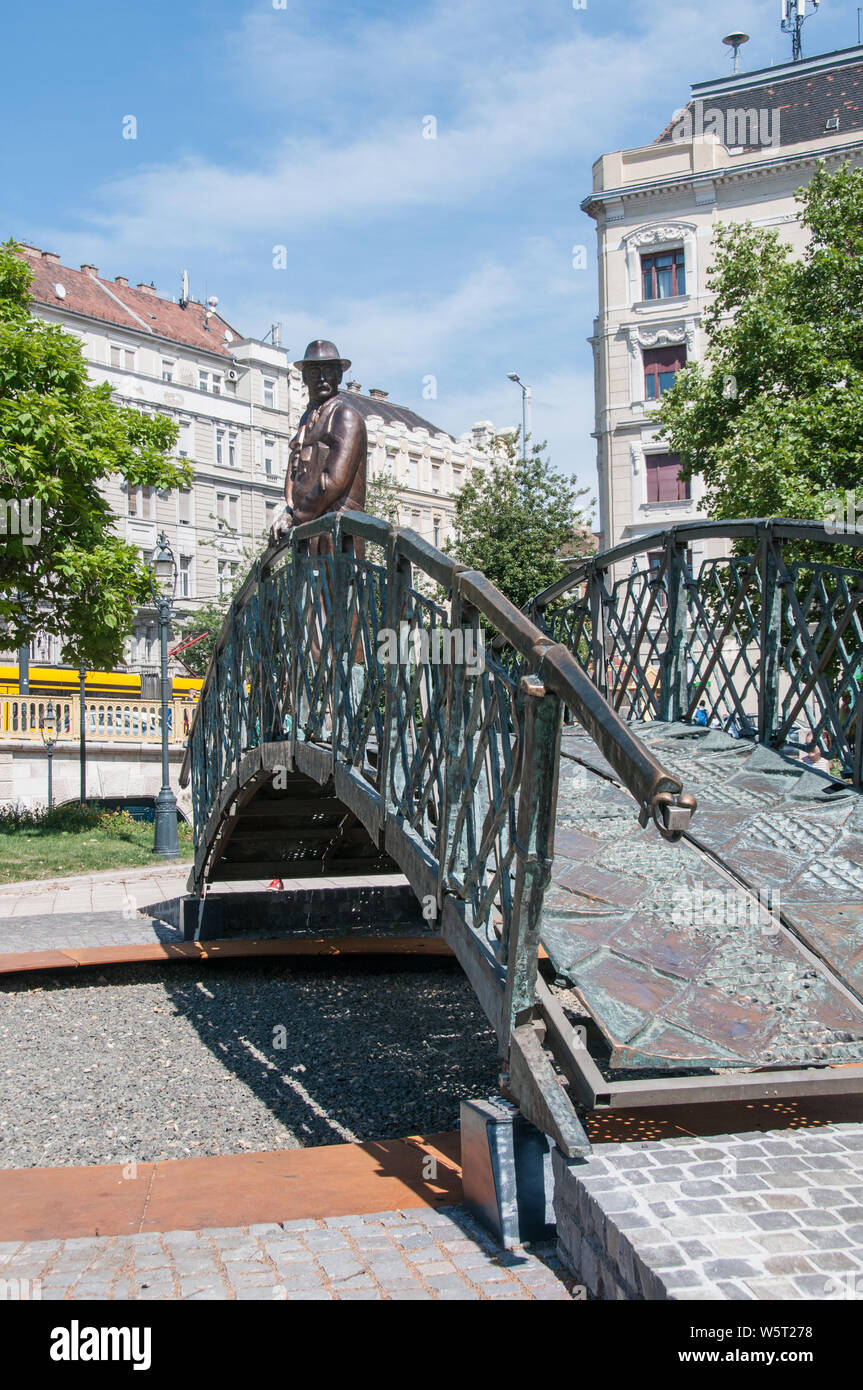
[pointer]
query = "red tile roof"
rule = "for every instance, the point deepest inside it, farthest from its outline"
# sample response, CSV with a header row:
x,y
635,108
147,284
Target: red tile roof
x,y
117,302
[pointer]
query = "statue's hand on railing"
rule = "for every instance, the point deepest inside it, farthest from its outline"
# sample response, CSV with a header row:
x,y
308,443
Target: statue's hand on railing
x,y
281,526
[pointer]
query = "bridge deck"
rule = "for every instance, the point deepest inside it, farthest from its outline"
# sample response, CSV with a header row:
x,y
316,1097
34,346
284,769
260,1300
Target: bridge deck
x,y
658,942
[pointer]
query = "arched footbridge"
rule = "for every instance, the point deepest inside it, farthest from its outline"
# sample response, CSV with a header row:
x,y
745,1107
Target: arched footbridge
x,y
535,776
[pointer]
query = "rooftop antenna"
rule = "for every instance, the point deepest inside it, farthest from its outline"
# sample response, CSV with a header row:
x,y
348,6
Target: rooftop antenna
x,y
184,289
735,42
794,16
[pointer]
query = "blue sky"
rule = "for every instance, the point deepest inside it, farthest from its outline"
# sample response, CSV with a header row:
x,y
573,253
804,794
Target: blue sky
x,y
302,126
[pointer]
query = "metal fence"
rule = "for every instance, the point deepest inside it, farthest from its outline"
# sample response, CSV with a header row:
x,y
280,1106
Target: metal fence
x,y
770,640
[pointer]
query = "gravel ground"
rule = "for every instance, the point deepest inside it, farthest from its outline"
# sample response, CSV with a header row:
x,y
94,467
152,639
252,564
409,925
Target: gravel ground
x,y
155,1063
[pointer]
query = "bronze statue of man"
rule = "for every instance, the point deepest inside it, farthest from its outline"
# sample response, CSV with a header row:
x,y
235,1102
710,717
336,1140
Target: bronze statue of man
x,y
329,452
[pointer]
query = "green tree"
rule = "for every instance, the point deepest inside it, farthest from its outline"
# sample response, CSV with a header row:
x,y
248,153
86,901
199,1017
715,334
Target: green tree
x,y
67,572
772,419
517,519
382,496
207,619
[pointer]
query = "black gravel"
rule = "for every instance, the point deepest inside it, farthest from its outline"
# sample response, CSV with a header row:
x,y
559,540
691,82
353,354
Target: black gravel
x,y
147,1063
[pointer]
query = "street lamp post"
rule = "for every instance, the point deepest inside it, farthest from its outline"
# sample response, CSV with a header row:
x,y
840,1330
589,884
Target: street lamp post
x,y
48,730
163,583
525,410
82,677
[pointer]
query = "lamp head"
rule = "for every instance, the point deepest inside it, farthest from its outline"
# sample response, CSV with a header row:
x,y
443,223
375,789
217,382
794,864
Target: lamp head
x,y
163,570
48,723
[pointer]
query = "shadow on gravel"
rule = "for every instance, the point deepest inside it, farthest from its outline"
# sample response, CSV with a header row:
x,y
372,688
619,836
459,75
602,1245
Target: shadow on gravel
x,y
346,1050
159,1062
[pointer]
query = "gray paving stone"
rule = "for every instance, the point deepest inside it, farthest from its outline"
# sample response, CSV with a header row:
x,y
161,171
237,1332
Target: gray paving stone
x,y
789,1264
776,1220
728,1269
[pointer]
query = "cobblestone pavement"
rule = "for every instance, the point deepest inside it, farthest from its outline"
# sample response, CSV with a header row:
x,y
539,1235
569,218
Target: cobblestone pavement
x,y
127,907
737,1216
416,1254
71,930
111,891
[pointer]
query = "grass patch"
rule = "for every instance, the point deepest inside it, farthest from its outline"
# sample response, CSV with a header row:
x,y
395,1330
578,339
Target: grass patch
x,y
72,840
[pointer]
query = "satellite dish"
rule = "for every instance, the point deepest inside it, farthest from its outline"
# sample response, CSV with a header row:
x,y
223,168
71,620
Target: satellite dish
x,y
736,41
212,301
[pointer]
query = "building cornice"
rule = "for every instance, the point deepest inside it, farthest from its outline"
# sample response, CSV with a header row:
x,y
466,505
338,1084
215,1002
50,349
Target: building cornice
x,y
702,181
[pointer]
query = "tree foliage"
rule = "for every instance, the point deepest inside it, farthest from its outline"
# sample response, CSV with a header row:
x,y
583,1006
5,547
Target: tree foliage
x,y
61,441
516,519
772,419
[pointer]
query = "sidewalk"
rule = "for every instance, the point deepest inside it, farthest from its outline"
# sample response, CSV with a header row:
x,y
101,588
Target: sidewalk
x,y
293,1224
390,1255
130,891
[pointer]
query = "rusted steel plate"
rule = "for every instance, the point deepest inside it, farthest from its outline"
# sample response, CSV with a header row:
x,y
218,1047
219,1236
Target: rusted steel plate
x,y
663,944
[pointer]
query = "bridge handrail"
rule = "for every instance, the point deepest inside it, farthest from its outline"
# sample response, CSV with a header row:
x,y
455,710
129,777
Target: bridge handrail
x,y
657,791
781,528
764,627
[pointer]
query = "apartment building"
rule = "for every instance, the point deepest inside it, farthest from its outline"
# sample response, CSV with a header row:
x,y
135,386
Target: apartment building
x,y
736,152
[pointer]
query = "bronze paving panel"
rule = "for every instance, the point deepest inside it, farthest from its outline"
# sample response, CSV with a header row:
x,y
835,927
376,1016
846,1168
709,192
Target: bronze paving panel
x,y
673,949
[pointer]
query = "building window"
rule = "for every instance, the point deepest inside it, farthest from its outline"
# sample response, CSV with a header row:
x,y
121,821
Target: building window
x,y
437,530
664,483
270,392
271,512
167,369
184,506
227,576
661,366
220,446
663,274
435,477
232,450
141,503
269,455
217,384
227,508
122,357
184,439
184,577
413,472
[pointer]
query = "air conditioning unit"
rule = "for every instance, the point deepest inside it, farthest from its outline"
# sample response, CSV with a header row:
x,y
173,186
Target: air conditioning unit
x,y
233,374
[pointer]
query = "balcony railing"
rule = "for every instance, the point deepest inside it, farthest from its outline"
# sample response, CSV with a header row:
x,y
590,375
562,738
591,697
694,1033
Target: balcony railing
x,y
107,720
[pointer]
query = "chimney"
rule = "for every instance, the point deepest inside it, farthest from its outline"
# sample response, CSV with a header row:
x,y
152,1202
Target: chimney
x,y
89,269
51,257
378,394
354,386
122,280
146,289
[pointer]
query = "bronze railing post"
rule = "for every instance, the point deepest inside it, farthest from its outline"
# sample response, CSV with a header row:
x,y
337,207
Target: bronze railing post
x,y
537,806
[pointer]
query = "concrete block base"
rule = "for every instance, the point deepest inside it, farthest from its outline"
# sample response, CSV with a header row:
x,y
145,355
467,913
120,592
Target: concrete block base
x,y
506,1172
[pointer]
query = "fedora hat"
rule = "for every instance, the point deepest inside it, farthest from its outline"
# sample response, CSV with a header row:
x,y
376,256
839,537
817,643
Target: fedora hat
x,y
322,351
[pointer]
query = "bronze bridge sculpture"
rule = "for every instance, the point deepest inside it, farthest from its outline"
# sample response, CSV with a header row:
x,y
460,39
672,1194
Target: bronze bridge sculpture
x,y
545,797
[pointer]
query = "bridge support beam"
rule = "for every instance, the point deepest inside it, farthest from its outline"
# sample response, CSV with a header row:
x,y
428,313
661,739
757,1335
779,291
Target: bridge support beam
x,y
506,1172
674,695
